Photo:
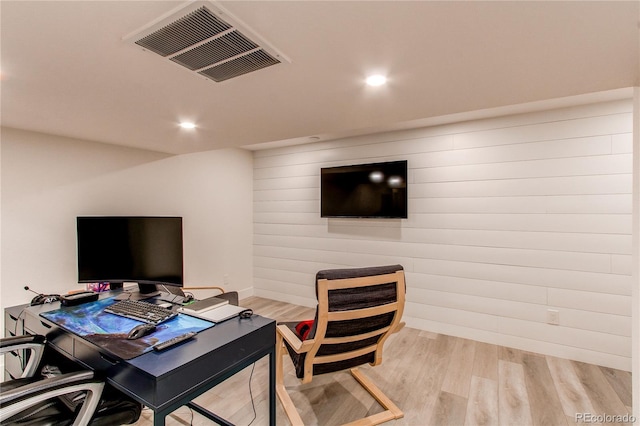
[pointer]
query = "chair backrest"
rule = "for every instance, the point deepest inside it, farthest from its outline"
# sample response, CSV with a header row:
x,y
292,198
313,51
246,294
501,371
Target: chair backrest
x,y
357,310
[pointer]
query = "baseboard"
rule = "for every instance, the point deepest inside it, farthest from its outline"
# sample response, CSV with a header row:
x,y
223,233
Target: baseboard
x,y
525,344
288,298
244,293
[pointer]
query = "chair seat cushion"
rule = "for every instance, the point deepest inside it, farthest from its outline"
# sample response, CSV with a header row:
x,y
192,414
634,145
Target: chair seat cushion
x,y
50,412
116,408
330,367
298,359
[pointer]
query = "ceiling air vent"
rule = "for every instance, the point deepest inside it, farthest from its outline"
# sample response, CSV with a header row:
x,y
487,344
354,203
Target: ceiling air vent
x,y
207,40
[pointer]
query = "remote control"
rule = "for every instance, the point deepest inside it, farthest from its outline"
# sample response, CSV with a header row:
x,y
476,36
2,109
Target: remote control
x,y
174,341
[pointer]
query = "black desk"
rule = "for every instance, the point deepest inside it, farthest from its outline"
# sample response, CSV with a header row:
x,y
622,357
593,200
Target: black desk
x,y
165,381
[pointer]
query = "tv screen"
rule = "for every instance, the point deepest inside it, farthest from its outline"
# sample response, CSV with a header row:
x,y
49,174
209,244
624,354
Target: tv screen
x,y
377,190
117,249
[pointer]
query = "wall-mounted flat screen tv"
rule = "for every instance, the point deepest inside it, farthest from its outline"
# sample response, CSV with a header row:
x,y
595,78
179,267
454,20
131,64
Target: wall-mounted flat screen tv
x,y
376,190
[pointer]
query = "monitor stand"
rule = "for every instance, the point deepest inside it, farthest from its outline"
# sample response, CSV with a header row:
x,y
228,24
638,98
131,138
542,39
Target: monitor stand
x,y
144,291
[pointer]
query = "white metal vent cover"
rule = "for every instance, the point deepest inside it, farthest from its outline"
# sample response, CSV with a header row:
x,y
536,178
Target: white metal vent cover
x,y
206,39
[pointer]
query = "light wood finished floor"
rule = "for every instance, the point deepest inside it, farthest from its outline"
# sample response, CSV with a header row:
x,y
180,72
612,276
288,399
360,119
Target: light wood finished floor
x,y
435,379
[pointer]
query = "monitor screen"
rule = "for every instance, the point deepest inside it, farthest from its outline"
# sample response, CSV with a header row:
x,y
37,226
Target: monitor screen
x,y
117,249
377,190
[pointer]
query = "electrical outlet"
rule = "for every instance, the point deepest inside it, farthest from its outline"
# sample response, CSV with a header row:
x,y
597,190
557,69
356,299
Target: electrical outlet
x,y
225,279
553,316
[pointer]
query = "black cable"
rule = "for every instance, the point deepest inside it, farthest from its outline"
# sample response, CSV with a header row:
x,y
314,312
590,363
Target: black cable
x,y
253,405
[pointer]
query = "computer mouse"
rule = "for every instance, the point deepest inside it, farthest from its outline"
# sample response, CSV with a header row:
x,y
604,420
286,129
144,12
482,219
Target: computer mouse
x,y
140,331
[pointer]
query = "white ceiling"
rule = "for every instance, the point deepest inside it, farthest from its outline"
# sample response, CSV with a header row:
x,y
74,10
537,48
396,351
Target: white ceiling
x,y
66,70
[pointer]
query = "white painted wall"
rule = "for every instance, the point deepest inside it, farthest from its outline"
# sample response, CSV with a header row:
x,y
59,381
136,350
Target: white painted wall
x,y
509,217
635,369
47,181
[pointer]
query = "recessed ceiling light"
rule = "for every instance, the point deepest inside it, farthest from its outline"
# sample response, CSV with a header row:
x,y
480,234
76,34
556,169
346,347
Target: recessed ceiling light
x,y
376,80
187,125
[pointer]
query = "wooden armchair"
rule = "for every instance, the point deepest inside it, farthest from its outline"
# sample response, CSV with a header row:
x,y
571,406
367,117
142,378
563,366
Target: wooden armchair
x,y
357,311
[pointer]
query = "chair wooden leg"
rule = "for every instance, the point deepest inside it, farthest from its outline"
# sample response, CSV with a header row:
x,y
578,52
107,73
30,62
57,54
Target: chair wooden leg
x,y
391,410
281,391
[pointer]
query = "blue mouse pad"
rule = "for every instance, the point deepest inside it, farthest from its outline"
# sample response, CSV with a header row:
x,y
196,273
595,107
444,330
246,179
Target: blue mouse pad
x,y
110,331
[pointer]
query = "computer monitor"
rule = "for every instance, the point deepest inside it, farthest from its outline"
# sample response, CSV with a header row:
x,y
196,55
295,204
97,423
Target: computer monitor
x,y
143,249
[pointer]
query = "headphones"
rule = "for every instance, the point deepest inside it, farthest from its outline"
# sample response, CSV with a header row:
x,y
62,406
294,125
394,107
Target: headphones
x,y
41,299
247,313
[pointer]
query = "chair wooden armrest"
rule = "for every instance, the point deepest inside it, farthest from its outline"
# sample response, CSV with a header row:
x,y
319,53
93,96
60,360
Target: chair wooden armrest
x,y
293,340
212,287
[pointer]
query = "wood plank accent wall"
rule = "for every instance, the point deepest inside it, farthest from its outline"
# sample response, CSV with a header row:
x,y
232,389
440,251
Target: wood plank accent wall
x,y
508,217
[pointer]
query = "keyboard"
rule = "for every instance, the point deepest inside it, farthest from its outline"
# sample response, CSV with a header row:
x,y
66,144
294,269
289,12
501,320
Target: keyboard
x,y
141,311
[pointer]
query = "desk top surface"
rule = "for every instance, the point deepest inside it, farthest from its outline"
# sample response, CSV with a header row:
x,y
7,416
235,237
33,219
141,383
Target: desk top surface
x,y
204,343
158,364
109,331
159,379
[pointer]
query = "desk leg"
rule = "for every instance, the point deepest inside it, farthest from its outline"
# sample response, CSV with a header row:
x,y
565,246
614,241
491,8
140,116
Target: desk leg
x,y
158,419
208,414
272,387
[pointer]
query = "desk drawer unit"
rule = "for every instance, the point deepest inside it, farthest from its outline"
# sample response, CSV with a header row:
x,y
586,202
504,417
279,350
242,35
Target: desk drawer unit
x,y
35,324
13,321
13,326
91,357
